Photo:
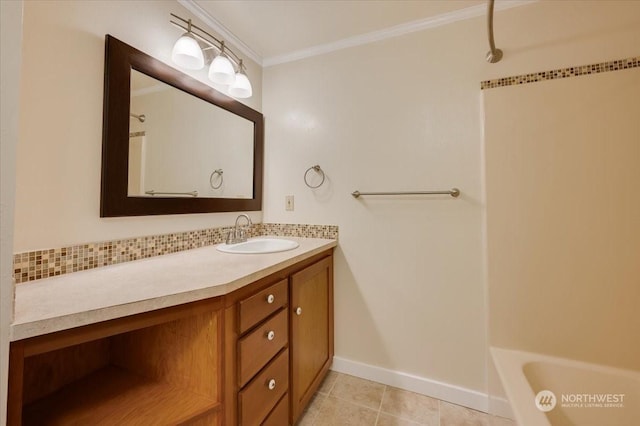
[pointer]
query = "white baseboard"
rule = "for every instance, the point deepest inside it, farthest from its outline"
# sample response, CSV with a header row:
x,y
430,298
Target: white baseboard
x,y
500,407
433,388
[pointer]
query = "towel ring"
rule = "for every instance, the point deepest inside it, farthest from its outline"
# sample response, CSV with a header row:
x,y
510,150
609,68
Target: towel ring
x,y
318,170
219,173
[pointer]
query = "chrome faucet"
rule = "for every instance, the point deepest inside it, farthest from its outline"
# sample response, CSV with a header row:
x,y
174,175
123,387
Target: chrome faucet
x,y
238,234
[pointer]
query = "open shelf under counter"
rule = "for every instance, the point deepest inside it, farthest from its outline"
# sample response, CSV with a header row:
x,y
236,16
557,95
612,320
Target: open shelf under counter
x,y
115,396
162,368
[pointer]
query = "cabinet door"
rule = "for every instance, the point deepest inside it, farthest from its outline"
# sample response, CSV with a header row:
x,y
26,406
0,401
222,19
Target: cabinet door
x,y
311,331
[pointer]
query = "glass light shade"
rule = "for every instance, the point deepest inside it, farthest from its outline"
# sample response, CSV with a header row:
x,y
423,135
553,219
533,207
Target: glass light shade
x,y
241,88
187,54
221,70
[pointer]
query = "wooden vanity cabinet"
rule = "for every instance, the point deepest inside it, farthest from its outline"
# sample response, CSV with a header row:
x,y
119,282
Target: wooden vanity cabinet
x,y
262,352
307,305
252,357
311,331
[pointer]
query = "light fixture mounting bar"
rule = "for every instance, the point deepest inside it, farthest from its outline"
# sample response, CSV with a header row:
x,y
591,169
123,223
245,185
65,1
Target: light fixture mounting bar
x,y
206,37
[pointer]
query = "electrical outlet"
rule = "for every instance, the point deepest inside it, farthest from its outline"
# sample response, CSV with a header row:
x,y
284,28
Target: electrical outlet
x,y
288,203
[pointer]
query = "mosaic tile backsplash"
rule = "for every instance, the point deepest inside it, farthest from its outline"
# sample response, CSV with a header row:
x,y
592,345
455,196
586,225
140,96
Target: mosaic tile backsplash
x,y
39,264
621,64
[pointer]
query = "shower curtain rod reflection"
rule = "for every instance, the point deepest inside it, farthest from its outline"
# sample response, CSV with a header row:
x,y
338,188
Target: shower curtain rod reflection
x,y
190,193
140,117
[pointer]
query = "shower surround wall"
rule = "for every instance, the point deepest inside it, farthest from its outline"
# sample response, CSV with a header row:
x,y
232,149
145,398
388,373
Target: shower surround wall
x,y
563,216
406,114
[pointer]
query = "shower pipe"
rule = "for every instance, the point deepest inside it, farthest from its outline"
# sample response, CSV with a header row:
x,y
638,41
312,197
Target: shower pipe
x,y
140,117
494,55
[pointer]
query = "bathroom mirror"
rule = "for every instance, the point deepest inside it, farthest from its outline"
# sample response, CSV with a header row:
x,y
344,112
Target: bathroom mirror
x,y
172,144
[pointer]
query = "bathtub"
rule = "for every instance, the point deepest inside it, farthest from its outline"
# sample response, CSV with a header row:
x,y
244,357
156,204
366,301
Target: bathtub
x,y
583,394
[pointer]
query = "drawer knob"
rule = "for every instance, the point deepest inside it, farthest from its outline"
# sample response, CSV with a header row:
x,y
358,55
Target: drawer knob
x,y
271,335
298,310
271,298
272,384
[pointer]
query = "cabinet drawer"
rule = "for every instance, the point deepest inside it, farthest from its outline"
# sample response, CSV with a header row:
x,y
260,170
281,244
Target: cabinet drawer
x,y
259,306
280,415
258,398
259,346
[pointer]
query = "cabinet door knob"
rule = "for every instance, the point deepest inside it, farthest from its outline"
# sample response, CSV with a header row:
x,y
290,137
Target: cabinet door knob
x,y
272,384
298,310
271,298
271,335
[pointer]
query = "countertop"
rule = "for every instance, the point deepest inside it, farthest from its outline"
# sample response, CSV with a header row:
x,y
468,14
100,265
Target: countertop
x,y
87,297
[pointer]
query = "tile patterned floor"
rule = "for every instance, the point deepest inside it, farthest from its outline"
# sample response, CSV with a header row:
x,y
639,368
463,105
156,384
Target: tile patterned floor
x,y
351,401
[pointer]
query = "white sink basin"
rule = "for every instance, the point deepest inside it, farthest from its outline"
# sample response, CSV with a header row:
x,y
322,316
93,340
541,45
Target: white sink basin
x,y
259,245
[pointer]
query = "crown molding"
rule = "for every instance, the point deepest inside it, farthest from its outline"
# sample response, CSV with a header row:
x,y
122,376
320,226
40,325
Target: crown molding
x,y
395,31
217,26
372,37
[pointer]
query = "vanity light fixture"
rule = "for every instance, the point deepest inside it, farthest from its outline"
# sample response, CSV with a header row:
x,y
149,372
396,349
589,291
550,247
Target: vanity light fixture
x,y
221,70
186,52
225,69
241,87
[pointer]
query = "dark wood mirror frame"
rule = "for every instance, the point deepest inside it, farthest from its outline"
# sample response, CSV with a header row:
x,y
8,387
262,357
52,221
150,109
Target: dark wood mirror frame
x,y
120,58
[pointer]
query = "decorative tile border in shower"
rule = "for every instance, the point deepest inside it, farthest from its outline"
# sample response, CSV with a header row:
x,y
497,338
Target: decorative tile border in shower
x,y
39,264
621,64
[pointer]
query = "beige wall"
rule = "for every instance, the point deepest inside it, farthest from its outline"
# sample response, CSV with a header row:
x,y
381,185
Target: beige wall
x,y
409,289
59,152
403,114
564,217
11,43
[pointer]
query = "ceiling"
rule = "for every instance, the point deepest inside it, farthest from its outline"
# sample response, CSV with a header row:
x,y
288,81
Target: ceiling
x,y
273,28
277,31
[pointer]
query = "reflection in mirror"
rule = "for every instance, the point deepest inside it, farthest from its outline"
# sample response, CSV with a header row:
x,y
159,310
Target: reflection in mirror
x,y
181,145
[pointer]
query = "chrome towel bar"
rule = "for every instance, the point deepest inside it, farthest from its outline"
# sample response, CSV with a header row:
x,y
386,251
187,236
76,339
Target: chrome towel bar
x,y
454,192
152,192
